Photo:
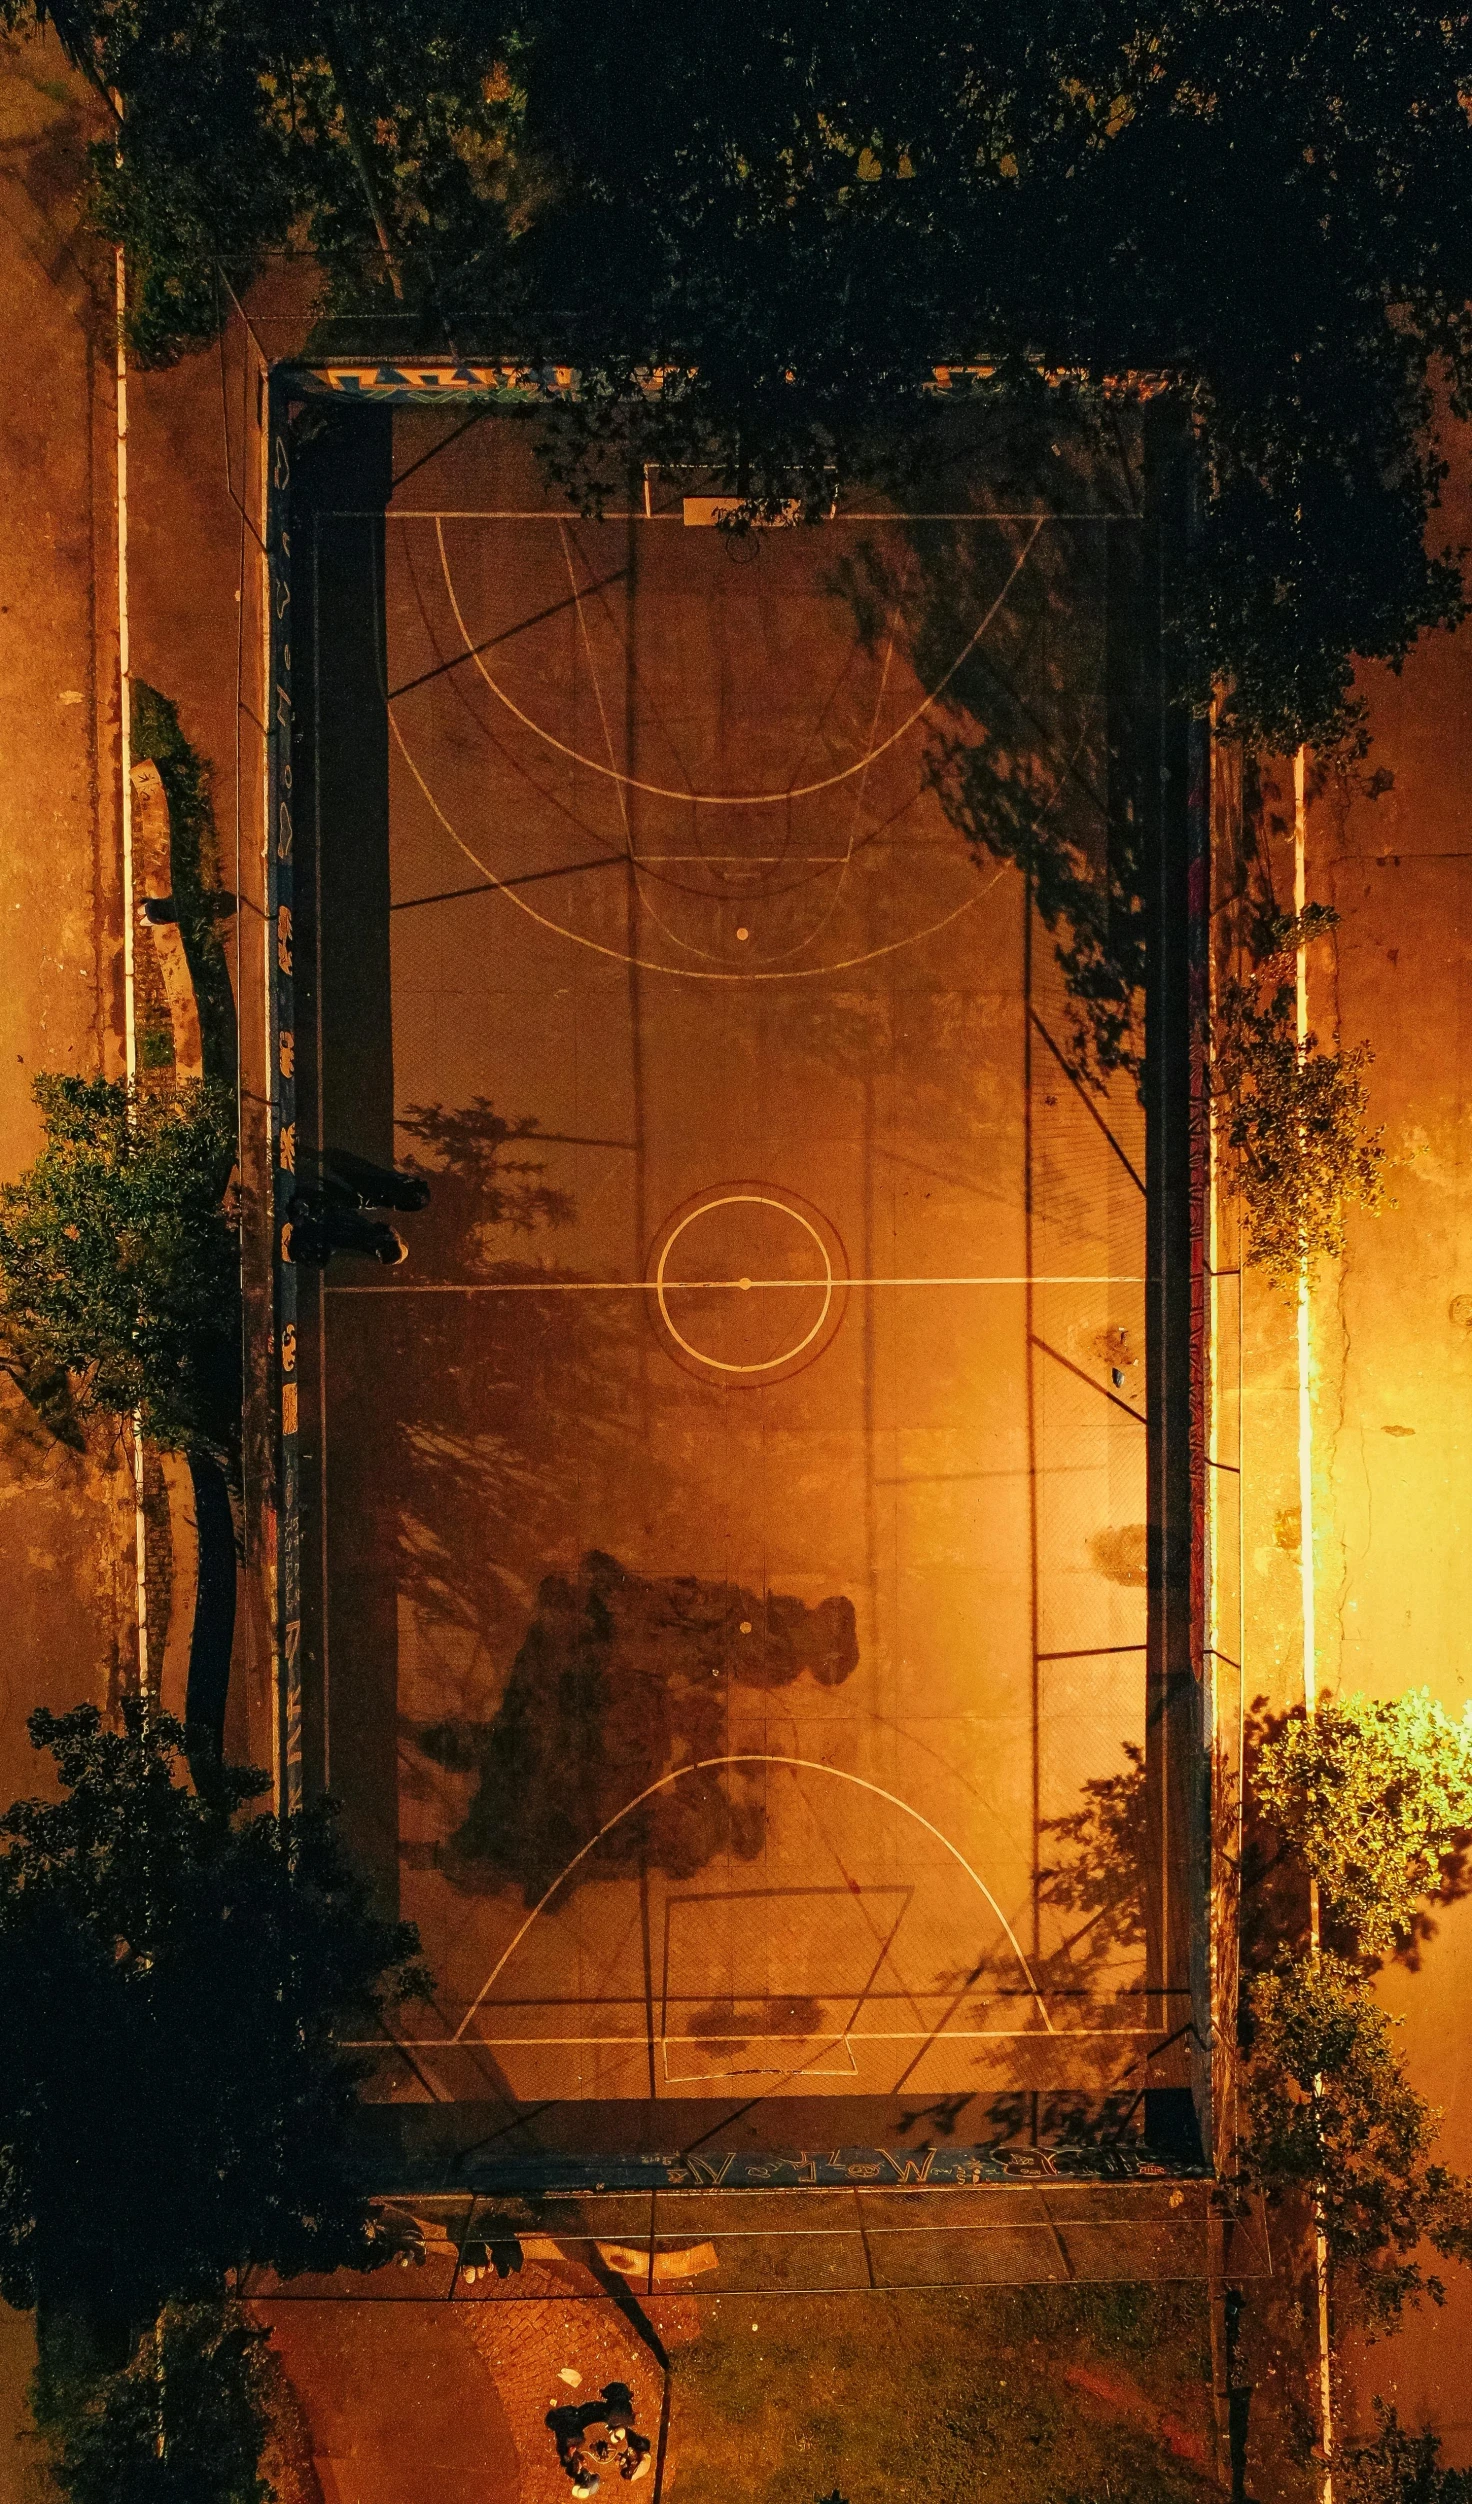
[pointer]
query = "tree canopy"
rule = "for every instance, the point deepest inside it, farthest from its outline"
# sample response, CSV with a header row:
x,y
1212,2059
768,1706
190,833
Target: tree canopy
x,y
1292,1123
1372,1800
1375,1794
1395,2466
1329,2109
793,214
117,1259
184,2422
178,1979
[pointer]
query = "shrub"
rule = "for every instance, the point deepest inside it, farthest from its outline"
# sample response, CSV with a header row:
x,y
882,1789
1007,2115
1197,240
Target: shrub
x,y
200,902
178,1982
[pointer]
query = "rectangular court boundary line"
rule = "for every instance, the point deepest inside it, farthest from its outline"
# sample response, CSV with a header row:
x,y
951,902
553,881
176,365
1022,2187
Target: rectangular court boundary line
x,y
848,2234
959,1282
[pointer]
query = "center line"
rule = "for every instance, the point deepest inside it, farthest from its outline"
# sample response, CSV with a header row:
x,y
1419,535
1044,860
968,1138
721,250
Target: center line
x,y
650,1286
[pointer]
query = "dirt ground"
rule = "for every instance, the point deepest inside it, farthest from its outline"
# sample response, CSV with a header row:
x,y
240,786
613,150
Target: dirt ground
x,y
1015,2395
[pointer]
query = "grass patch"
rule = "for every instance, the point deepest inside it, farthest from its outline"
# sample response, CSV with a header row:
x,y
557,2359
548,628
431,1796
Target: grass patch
x,y
155,1048
1015,2395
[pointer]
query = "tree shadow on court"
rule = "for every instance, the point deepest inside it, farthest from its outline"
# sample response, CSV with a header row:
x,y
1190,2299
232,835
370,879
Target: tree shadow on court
x,y
483,1183
457,1431
1029,644
474,1437
1022,2117
484,1399
719,2020
1094,1885
621,1678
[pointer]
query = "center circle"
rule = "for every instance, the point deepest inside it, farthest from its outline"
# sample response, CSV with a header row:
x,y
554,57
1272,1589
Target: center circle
x,y
744,1283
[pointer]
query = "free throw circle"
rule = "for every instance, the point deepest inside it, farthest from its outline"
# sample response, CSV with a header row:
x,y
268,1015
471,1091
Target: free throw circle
x,y
748,1282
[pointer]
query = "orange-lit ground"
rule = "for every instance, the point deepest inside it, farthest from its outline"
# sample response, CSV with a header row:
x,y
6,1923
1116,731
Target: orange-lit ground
x,y
1392,1366
864,1535
65,1519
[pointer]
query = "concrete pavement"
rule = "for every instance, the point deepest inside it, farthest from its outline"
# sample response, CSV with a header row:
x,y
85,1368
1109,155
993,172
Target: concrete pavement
x,y
65,1563
399,2408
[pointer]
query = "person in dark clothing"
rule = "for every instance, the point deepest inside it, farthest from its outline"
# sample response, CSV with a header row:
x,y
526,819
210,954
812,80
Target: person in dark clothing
x,y
616,2408
568,2426
317,1231
355,1181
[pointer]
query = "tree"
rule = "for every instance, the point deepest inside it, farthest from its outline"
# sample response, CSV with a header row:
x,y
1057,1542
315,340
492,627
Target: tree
x,y
178,1980
790,217
1292,1118
1329,2110
1370,1798
184,2422
378,133
1394,2466
1375,1796
118,1257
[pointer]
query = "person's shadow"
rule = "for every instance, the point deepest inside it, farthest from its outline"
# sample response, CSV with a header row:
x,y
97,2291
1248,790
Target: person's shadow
x,y
619,1677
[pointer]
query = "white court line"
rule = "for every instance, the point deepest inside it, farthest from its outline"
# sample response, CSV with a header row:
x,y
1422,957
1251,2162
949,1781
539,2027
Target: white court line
x,y
1306,1564
541,513
631,2043
747,860
692,947
129,900
651,1286
652,964
754,2065
731,799
798,1765
753,1199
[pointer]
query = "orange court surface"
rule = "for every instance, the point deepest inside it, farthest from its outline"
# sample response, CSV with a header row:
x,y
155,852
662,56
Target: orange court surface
x,y
725,1538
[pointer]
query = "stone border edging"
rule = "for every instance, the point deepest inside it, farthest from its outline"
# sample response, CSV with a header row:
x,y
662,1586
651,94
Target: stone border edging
x,y
154,869
194,1680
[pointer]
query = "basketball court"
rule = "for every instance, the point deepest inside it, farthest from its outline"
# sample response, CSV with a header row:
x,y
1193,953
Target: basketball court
x,y
724,1539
